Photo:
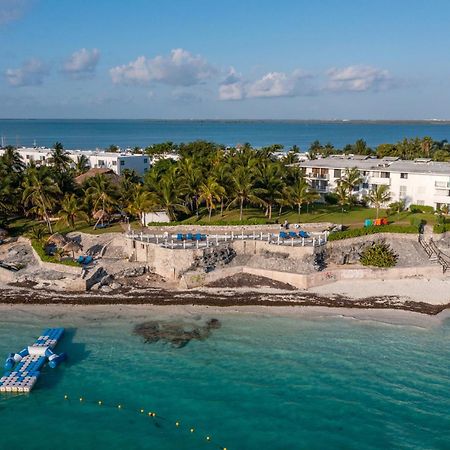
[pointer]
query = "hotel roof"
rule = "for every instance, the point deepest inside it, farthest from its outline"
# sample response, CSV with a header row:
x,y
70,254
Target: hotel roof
x,y
388,164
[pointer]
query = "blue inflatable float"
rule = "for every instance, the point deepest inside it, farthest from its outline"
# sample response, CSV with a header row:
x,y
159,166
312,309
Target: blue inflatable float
x,y
23,368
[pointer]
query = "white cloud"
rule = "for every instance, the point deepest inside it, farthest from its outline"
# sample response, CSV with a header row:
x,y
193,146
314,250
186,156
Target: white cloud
x,y
272,84
359,78
11,10
32,73
82,63
232,87
180,68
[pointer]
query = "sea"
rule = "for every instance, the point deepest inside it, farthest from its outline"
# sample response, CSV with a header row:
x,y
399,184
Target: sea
x,y
260,381
92,134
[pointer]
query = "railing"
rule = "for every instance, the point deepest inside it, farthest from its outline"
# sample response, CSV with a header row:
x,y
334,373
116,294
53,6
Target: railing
x,y
171,241
434,253
442,184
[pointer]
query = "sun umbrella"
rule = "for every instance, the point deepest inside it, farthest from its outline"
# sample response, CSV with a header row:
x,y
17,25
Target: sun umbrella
x,y
57,239
72,247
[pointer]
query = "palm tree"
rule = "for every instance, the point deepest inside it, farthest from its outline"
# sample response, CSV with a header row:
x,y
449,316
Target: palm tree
x,y
168,197
12,161
222,175
82,164
190,178
39,192
378,196
343,196
60,159
141,201
71,210
243,190
352,178
299,193
101,194
269,177
210,191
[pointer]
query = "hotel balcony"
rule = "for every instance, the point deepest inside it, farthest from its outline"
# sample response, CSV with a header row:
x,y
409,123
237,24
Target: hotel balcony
x,y
317,176
379,180
442,198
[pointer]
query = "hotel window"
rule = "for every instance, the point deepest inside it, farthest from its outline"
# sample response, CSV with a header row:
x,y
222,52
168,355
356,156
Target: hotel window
x,y
101,162
385,175
337,173
365,185
145,160
421,202
404,176
402,193
122,162
114,163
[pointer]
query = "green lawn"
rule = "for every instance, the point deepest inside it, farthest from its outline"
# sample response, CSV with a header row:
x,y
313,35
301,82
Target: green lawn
x,y
352,218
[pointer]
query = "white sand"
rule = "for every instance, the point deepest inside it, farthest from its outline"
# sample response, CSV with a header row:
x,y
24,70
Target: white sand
x,y
433,291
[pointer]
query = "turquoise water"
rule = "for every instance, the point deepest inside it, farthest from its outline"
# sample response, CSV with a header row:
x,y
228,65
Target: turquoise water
x,y
257,383
89,134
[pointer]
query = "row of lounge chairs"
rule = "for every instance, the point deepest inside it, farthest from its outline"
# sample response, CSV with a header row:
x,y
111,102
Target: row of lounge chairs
x,y
191,237
293,235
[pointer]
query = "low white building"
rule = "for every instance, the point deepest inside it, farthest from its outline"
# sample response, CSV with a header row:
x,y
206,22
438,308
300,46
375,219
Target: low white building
x,y
419,182
96,159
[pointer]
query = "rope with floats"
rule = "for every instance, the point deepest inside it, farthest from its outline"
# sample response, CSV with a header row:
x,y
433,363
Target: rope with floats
x,y
143,412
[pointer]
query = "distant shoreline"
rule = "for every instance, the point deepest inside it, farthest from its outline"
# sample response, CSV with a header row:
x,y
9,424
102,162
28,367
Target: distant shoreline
x,y
294,121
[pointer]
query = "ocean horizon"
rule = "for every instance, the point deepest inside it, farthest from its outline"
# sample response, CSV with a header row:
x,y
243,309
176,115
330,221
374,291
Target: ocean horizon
x,y
101,133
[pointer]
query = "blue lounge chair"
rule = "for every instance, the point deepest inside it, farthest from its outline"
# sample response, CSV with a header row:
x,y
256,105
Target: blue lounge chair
x,y
284,235
303,234
189,237
180,237
198,237
203,237
293,234
368,223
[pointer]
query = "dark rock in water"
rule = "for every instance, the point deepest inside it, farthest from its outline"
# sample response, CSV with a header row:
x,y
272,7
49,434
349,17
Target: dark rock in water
x,y
179,333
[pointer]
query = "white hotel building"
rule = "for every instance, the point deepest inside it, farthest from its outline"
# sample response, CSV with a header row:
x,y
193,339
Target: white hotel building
x,y
420,182
96,159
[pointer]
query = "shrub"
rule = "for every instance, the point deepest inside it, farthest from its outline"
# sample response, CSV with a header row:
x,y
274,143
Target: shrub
x,y
421,209
379,254
331,199
356,232
417,222
441,228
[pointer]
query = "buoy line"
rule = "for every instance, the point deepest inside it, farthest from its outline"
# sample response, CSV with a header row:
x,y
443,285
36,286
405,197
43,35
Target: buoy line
x,y
142,412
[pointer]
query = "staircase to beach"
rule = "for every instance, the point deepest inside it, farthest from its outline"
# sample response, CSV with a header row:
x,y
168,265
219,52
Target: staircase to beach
x,y
434,253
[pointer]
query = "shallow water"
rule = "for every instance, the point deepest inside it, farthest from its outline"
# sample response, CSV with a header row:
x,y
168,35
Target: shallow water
x,y
257,382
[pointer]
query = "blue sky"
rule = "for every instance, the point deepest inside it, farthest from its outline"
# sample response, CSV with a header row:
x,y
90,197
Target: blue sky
x,y
330,59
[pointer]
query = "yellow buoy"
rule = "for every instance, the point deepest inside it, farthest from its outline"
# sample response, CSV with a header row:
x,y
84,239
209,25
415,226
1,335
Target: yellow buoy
x,y
66,397
177,424
81,399
142,411
192,430
119,406
154,414
208,438
100,402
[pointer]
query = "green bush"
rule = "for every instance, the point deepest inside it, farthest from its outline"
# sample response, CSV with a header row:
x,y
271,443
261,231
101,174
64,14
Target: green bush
x,y
356,232
331,199
38,247
417,222
421,209
379,254
441,228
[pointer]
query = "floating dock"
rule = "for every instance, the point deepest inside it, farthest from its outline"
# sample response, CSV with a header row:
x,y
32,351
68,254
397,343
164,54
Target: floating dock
x,y
22,369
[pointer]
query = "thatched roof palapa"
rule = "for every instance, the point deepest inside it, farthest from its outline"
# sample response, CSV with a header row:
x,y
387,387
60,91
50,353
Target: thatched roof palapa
x,y
72,247
57,239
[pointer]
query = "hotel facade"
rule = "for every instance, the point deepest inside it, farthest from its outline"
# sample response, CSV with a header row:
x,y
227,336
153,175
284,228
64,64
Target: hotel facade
x,y
419,182
118,162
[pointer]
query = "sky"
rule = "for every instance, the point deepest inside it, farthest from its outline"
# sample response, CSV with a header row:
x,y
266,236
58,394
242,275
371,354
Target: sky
x,y
234,59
